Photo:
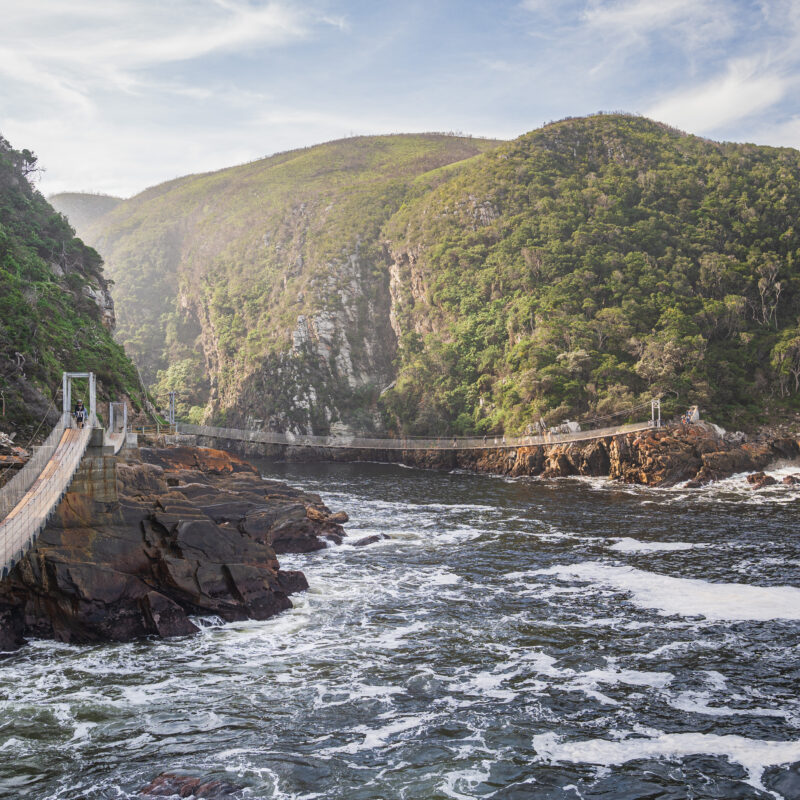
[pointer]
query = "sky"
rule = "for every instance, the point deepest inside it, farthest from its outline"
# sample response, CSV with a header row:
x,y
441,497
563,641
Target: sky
x,y
118,95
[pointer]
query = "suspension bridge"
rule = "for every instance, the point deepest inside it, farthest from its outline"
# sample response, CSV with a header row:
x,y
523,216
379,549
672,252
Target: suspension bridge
x,y
30,498
560,434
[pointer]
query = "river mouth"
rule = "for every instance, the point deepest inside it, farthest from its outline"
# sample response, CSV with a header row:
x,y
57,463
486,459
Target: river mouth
x,y
512,639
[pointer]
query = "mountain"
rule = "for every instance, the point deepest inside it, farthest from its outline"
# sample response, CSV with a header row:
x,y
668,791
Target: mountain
x,y
592,264
83,209
440,284
56,312
261,291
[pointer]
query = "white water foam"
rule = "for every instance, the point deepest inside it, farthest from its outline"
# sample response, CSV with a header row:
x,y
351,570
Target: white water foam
x,y
699,703
689,596
629,545
754,755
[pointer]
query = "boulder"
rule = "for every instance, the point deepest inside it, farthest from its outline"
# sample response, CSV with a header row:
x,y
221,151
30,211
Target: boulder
x,y
759,480
171,785
378,537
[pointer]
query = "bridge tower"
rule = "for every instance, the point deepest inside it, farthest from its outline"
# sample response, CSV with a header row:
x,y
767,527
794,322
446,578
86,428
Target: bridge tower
x,y
655,412
67,393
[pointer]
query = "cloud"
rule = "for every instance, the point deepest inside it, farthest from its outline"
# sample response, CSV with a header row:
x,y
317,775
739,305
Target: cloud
x,y
642,16
742,90
70,50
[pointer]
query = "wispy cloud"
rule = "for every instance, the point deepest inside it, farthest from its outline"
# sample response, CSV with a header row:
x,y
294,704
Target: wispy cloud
x,y
119,94
745,88
74,48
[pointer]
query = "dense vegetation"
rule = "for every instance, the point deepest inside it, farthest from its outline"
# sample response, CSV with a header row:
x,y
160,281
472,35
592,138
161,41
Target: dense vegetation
x,y
52,314
592,264
572,273
212,273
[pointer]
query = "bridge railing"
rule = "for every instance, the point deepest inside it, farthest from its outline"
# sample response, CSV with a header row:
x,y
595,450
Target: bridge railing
x,y
430,443
18,486
28,500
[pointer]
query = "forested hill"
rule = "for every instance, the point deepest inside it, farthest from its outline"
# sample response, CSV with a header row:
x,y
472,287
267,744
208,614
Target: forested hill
x,y
83,209
593,263
56,312
437,284
263,289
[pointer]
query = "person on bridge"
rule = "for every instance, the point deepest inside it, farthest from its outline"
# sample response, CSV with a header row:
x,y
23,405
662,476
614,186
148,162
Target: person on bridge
x,y
80,414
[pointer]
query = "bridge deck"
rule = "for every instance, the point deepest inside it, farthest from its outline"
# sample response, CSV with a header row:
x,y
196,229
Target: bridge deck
x,y
374,443
27,518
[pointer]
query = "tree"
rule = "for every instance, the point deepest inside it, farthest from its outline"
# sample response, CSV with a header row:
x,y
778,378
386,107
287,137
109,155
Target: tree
x,y
785,359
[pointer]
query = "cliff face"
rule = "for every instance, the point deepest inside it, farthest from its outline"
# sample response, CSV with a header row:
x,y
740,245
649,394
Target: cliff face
x,y
261,292
434,284
56,310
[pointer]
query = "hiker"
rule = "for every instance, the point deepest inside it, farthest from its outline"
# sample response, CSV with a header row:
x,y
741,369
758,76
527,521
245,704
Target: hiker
x,y
80,414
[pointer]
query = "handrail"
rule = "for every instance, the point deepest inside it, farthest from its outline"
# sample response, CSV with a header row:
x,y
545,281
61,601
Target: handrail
x,y
42,483
17,487
437,443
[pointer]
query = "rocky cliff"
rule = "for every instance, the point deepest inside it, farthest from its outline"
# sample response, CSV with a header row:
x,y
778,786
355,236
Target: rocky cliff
x,y
261,292
56,310
192,532
434,284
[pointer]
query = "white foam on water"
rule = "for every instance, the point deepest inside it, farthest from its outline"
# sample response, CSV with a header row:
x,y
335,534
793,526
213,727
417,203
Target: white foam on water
x,y
12,744
393,639
737,489
679,648
688,597
464,780
444,578
629,545
754,755
716,680
699,703
589,682
488,684
375,738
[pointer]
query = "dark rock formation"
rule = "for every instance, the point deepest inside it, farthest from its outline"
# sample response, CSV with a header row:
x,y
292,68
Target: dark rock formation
x,y
759,480
170,785
194,531
378,537
658,457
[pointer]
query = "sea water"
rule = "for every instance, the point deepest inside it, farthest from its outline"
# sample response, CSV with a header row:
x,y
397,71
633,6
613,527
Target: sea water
x,y
511,639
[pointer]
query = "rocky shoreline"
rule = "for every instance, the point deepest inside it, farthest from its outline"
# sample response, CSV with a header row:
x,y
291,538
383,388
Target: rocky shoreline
x,y
695,454
192,531
197,531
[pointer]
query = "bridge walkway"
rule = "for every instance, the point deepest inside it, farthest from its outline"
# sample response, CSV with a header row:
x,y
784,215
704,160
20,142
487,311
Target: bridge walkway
x,y
439,443
29,499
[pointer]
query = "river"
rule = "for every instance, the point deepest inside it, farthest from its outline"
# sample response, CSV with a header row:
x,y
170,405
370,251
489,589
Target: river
x,y
512,639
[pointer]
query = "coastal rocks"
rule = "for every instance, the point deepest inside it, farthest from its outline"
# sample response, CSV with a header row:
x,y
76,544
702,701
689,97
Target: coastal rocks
x,y
11,630
170,785
367,540
696,454
191,534
758,480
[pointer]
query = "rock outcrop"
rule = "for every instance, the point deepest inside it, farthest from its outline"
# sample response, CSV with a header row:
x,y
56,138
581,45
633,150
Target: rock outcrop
x,y
194,532
171,785
696,454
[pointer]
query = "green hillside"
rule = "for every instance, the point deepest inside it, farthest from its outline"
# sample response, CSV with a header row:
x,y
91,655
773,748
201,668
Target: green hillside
x,y
55,309
430,283
264,288
592,264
